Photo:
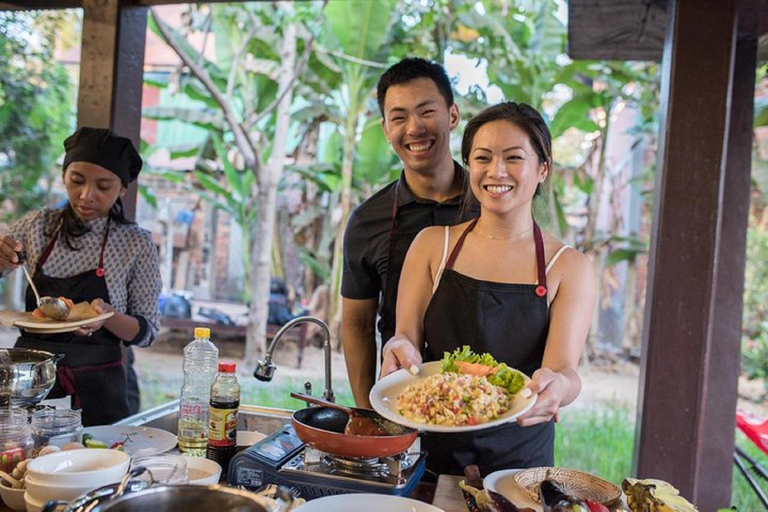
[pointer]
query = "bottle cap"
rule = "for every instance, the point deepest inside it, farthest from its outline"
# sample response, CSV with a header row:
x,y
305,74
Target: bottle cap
x,y
202,332
227,367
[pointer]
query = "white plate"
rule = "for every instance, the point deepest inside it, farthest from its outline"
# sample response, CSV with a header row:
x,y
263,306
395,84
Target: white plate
x,y
138,440
384,393
53,327
503,482
366,502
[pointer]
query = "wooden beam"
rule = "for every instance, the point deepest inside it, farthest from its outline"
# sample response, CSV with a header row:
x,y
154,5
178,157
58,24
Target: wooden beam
x,y
33,5
617,30
111,72
691,339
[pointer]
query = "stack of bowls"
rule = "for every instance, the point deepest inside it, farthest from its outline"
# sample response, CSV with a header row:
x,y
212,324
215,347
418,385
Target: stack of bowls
x,y
63,476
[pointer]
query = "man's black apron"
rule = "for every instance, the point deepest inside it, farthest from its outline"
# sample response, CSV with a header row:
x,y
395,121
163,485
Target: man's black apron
x,y
92,368
399,242
511,322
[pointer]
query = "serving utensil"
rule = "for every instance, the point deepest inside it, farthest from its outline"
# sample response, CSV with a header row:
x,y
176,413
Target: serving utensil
x,y
52,307
362,422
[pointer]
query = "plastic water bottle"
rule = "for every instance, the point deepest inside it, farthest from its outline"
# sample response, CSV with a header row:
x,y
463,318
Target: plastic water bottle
x,y
200,359
225,402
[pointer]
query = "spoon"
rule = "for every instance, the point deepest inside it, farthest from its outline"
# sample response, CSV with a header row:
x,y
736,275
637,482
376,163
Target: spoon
x,y
362,422
52,307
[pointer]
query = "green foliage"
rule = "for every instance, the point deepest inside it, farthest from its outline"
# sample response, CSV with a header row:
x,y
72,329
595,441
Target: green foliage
x,y
34,107
755,317
596,441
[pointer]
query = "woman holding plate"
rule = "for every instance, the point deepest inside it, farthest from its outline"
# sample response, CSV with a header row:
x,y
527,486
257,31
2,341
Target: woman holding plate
x,y
89,251
502,286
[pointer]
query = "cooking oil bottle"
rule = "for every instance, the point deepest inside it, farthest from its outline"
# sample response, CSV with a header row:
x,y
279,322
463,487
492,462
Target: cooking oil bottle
x,y
200,359
225,402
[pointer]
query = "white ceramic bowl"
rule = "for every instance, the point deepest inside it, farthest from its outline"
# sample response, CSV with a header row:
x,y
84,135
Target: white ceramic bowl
x,y
367,502
246,438
88,466
202,471
32,504
13,498
43,491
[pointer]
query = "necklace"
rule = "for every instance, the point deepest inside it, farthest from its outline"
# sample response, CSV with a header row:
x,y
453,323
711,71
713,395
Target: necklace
x,y
510,237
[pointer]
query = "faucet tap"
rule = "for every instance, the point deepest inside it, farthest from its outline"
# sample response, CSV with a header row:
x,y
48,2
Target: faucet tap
x,y
265,369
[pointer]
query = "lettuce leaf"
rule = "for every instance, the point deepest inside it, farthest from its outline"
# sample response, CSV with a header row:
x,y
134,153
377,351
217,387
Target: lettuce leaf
x,y
505,377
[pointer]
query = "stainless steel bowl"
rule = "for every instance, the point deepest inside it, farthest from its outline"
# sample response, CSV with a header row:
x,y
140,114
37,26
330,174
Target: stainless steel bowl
x,y
170,497
26,376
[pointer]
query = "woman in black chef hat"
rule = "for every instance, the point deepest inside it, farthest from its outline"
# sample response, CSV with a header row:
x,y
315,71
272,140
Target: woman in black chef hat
x,y
89,251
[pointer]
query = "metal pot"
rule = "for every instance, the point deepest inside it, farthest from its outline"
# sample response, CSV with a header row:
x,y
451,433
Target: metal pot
x,y
323,428
169,497
26,376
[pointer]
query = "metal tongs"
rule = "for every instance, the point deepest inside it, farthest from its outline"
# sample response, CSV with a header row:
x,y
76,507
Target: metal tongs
x,y
52,307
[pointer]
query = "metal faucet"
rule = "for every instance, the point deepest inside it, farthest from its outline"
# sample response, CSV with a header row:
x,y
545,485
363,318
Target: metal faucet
x,y
265,369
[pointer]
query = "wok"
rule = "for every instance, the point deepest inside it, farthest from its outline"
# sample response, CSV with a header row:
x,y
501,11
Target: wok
x,y
323,429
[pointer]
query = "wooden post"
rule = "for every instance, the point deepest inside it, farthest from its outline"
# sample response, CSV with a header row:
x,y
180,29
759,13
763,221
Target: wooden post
x,y
112,72
691,336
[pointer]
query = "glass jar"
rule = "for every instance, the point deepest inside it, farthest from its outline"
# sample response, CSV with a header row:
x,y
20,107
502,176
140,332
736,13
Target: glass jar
x,y
15,438
57,427
163,468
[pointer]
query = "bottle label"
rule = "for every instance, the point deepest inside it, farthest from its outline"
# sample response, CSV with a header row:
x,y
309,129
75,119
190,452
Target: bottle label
x,y
223,427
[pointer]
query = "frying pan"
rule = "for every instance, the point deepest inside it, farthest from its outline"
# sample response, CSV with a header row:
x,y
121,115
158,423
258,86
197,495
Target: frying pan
x,y
323,429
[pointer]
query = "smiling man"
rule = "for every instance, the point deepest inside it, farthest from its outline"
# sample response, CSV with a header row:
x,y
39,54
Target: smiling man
x,y
418,115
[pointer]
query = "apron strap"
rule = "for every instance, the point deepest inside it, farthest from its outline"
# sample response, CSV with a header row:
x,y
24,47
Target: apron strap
x,y
541,265
459,243
49,248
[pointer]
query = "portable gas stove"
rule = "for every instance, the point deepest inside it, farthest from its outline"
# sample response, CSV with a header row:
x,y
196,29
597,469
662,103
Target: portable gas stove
x,y
283,459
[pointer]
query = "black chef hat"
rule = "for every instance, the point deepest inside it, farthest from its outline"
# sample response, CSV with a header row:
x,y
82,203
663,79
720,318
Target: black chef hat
x,y
102,147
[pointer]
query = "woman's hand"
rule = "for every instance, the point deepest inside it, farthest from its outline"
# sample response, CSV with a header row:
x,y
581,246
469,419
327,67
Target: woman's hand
x,y
551,387
399,353
9,247
99,306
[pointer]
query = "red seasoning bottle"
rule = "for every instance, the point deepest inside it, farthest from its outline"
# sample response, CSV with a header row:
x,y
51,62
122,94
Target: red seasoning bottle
x,y
222,429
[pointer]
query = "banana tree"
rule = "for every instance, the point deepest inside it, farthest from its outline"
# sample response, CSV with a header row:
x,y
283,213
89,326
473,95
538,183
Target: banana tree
x,y
354,41
260,52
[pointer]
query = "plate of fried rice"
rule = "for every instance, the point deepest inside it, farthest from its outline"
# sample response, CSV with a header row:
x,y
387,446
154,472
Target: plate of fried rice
x,y
436,401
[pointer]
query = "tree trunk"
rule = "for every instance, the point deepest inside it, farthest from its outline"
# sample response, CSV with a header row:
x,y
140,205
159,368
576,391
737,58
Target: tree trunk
x,y
334,315
261,262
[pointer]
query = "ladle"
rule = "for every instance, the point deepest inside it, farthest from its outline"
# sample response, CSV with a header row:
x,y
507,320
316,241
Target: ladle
x,y
52,307
362,422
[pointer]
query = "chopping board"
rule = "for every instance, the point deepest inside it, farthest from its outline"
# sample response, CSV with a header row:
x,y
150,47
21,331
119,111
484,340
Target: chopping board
x,y
81,314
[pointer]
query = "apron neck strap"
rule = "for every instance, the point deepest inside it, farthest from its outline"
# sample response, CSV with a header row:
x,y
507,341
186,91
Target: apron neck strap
x,y
459,243
52,243
538,239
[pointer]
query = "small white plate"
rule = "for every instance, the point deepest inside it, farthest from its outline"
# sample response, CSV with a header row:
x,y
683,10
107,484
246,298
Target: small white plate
x,y
366,502
503,482
138,440
384,393
53,327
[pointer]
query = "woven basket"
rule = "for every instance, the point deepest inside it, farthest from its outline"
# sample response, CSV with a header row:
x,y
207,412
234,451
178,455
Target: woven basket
x,y
576,483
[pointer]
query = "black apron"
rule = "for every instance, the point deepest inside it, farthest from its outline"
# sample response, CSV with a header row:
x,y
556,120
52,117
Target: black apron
x,y
399,242
92,369
511,322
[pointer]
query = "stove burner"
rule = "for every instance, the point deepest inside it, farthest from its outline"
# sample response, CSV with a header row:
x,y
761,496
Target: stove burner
x,y
353,465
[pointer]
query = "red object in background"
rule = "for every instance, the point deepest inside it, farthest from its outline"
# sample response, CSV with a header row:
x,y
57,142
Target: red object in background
x,y
756,429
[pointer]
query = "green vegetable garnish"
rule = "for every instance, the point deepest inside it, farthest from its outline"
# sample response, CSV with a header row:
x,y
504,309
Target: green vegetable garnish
x,y
505,377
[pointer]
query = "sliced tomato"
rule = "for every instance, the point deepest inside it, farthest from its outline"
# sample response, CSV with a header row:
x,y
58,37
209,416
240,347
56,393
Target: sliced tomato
x,y
594,506
472,421
38,314
478,369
